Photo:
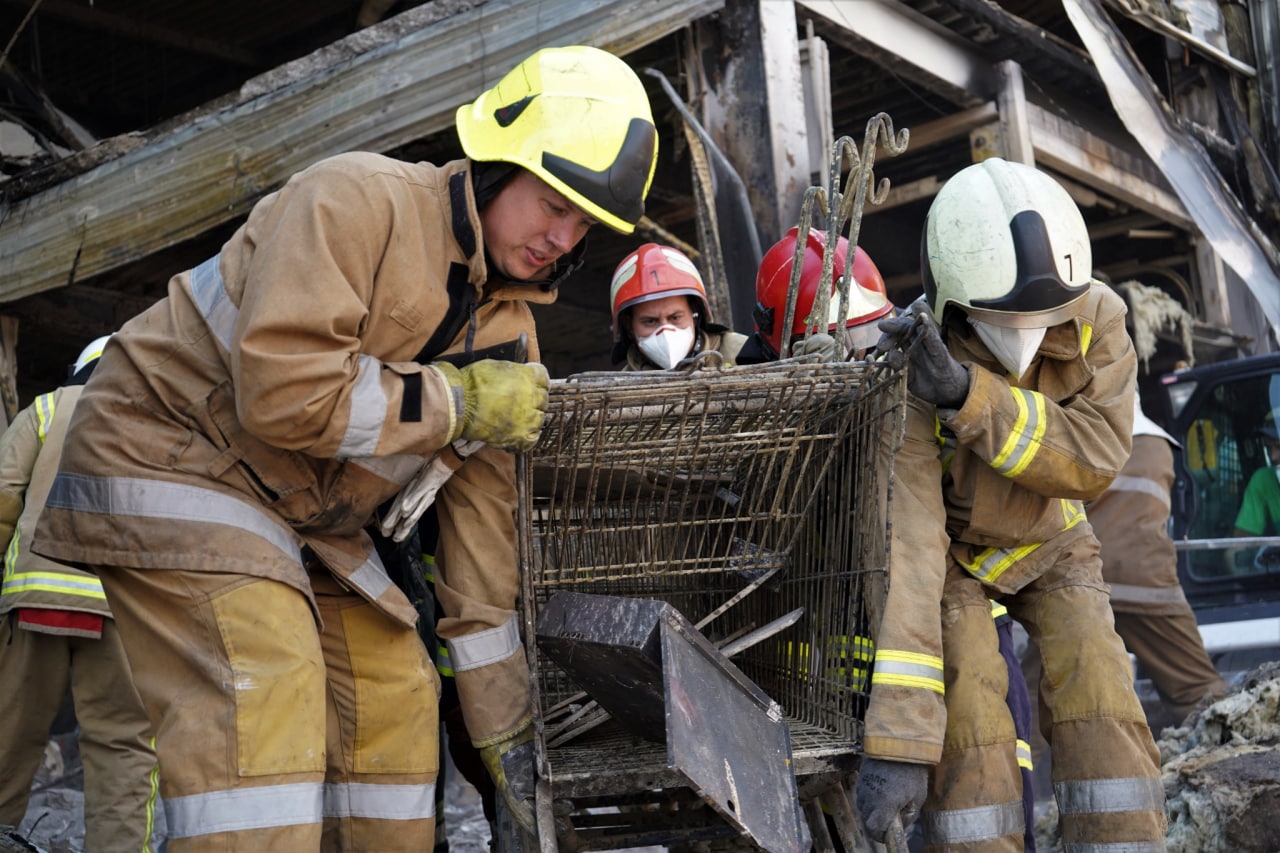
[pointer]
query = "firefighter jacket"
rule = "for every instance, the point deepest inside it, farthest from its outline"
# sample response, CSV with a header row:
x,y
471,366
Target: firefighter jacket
x,y
995,488
1131,520
254,420
724,342
29,451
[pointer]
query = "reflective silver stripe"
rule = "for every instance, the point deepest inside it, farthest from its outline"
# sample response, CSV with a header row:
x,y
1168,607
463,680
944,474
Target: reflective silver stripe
x,y
210,294
371,578
264,807
1145,485
1100,796
154,499
384,802
367,412
1147,594
485,647
984,823
1117,847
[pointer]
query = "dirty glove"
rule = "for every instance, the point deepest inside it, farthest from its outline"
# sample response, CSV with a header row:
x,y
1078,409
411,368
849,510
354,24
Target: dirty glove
x,y
502,401
821,345
510,765
420,492
887,789
935,376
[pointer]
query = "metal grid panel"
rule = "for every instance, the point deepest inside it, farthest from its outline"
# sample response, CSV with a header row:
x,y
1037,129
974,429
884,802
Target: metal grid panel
x,y
691,488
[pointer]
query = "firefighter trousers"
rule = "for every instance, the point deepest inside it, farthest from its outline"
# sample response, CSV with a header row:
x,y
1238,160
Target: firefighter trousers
x,y
279,727
1169,647
1106,769
114,738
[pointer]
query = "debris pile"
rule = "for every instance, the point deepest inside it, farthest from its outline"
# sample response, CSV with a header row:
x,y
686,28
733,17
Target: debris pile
x,y
1222,771
1221,774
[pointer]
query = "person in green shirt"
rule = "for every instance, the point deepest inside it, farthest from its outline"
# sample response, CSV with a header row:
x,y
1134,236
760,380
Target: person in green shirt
x,y
1260,508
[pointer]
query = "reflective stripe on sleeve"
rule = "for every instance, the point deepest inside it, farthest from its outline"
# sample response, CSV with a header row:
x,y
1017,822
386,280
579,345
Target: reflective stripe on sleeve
x,y
210,295
381,802
263,807
1102,796
154,499
1024,438
367,413
967,826
485,647
908,669
86,587
44,415
1145,485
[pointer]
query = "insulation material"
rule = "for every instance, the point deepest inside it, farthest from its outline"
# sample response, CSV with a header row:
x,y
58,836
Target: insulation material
x,y
1153,311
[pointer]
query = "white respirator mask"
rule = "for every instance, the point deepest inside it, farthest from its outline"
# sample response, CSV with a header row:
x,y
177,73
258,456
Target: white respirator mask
x,y
1013,348
667,346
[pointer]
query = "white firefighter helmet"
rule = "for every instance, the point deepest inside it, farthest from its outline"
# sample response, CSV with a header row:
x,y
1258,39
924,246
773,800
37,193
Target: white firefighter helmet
x,y
1005,243
89,353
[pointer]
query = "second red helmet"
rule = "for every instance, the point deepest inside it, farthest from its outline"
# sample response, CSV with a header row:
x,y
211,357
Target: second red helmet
x,y
867,298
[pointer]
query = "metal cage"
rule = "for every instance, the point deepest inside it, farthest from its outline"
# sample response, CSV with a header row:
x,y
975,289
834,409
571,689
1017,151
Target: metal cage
x,y
738,496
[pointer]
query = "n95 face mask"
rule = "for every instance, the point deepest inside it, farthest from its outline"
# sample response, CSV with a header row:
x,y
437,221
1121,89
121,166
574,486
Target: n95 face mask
x,y
667,345
1013,348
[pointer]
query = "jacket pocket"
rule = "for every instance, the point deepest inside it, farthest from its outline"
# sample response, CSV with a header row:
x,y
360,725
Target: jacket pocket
x,y
284,480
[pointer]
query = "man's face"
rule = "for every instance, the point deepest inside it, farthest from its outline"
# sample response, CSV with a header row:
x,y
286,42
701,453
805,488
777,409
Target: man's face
x,y
528,225
667,311
1273,451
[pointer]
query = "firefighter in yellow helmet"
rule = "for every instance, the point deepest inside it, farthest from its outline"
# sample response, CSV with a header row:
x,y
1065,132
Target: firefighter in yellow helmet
x,y
227,462
1022,379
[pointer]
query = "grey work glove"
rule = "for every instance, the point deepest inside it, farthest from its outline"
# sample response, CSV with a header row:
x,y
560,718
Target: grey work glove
x,y
420,492
935,376
889,789
510,765
821,345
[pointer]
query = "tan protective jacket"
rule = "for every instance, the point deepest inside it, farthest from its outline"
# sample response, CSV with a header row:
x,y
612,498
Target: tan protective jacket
x,y
29,451
254,420
1131,518
996,488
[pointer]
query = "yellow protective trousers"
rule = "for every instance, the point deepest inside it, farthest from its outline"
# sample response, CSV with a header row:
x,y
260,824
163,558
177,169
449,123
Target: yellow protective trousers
x,y
1106,769
273,732
114,738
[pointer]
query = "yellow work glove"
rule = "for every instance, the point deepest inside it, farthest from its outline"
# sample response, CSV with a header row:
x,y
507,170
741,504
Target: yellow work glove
x,y
502,401
510,766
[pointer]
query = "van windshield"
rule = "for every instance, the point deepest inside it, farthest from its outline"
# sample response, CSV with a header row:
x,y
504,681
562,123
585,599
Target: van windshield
x,y
1232,452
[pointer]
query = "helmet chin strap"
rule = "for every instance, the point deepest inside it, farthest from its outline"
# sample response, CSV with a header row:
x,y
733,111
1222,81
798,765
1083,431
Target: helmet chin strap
x,y
564,267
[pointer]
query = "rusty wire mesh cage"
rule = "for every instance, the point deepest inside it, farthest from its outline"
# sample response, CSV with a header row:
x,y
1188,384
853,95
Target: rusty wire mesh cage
x,y
691,488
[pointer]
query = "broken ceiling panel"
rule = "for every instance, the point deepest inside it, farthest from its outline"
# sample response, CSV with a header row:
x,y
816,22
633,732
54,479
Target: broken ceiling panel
x,y
1182,159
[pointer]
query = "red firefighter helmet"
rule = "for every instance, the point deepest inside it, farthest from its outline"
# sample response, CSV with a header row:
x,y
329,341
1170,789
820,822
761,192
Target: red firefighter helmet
x,y
654,272
868,301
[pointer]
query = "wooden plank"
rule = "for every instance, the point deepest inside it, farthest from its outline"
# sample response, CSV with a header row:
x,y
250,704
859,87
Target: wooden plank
x,y
203,173
1067,147
909,44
